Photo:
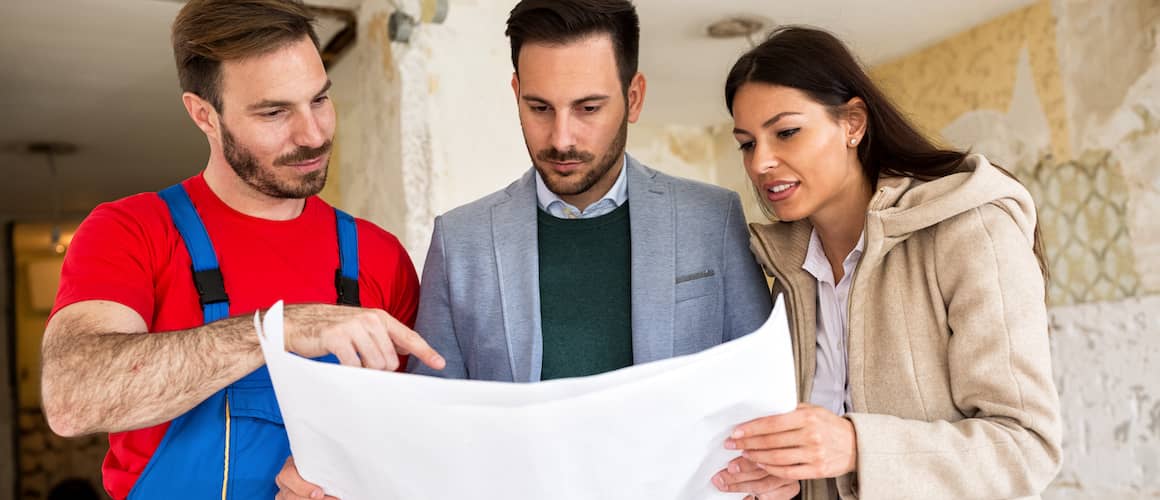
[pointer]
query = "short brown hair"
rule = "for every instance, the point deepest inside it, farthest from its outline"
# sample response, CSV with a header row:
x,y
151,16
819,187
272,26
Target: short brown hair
x,y
208,32
557,22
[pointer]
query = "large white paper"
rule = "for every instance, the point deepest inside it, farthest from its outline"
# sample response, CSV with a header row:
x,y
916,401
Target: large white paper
x,y
652,431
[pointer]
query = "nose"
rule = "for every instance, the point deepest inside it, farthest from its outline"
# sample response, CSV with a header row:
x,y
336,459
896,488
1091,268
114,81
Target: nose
x,y
308,131
764,158
562,138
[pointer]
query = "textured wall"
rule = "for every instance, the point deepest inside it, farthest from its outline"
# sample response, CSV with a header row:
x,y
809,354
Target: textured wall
x,y
975,70
367,165
1103,353
425,113
1067,95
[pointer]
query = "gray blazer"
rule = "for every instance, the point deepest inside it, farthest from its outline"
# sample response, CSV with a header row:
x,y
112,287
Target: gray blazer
x,y
694,282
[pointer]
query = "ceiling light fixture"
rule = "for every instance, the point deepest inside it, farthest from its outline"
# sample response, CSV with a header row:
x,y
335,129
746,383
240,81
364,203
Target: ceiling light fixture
x,y
742,26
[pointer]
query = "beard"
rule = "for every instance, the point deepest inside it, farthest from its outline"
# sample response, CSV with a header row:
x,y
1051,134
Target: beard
x,y
246,165
580,181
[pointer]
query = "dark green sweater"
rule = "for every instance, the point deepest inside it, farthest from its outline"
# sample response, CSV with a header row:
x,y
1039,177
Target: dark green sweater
x,y
585,294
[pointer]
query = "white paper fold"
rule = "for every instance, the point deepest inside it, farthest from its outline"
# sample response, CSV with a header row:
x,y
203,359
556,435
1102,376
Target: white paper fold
x,y
652,431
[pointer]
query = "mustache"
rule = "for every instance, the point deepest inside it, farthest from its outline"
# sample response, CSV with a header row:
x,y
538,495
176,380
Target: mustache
x,y
303,155
555,155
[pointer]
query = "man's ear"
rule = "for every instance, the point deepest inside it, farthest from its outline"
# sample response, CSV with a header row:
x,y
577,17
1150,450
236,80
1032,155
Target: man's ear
x,y
203,114
516,86
635,96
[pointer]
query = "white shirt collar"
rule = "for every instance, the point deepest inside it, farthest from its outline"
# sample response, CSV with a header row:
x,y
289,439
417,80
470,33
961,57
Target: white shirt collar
x,y
819,266
618,193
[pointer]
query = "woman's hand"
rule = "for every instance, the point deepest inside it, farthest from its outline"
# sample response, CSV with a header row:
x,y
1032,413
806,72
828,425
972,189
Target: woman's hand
x,y
807,443
743,476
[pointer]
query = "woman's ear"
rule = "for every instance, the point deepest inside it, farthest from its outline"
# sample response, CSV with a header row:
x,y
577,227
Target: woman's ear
x,y
856,118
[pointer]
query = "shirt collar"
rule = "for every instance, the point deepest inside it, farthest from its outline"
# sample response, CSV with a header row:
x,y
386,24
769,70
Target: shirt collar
x,y
618,193
817,265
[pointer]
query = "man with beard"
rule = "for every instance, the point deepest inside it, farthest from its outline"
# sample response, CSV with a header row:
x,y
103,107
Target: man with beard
x,y
591,261
556,275
151,338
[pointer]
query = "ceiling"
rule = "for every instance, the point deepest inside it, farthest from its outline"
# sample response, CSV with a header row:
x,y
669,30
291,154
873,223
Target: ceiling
x,y
686,70
99,73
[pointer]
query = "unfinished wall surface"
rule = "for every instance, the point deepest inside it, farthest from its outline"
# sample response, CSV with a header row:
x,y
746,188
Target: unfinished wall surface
x,y
435,111
1066,94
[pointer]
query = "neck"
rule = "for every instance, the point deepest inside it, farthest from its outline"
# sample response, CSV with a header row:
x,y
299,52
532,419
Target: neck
x,y
840,224
240,196
583,200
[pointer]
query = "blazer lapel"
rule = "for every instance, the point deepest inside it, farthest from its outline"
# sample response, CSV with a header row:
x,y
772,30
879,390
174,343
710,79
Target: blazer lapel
x,y
652,217
513,225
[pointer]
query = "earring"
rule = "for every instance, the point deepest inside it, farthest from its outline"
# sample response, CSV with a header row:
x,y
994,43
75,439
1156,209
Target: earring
x,y
853,142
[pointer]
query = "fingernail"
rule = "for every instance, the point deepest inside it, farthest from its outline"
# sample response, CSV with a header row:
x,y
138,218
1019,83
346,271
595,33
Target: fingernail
x,y
316,494
737,434
730,444
734,468
717,481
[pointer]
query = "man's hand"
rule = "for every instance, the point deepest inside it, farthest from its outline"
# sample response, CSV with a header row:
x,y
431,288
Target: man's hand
x,y
368,338
291,486
743,476
808,443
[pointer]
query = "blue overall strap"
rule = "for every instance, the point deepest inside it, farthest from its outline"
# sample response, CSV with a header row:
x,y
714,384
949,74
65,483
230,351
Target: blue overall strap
x,y
346,277
207,276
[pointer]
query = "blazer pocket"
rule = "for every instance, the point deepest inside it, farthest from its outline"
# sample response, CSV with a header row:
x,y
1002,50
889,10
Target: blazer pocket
x,y
699,284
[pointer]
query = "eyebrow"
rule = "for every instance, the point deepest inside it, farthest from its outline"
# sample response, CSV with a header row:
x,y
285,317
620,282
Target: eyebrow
x,y
589,98
267,103
768,123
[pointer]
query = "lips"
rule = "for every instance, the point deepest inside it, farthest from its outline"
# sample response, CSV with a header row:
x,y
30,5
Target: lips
x,y
565,167
309,165
780,190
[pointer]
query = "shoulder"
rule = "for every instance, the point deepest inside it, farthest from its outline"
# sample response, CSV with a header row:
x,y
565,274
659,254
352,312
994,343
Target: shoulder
x,y
689,189
477,214
376,238
996,219
143,213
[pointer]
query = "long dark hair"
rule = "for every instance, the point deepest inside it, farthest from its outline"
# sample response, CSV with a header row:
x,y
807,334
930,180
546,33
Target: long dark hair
x,y
820,65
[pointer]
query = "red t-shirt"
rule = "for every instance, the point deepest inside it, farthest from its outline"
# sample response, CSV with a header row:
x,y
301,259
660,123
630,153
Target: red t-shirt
x,y
129,252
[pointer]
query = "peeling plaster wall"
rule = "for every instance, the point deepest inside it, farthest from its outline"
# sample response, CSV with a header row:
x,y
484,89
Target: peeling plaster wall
x,y
1110,398
367,165
1066,94
437,111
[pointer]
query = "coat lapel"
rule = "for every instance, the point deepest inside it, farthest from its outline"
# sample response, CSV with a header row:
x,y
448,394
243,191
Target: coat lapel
x,y
652,217
513,223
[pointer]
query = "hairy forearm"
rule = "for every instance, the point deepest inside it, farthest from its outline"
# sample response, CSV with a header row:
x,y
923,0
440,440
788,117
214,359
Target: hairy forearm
x,y
111,382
